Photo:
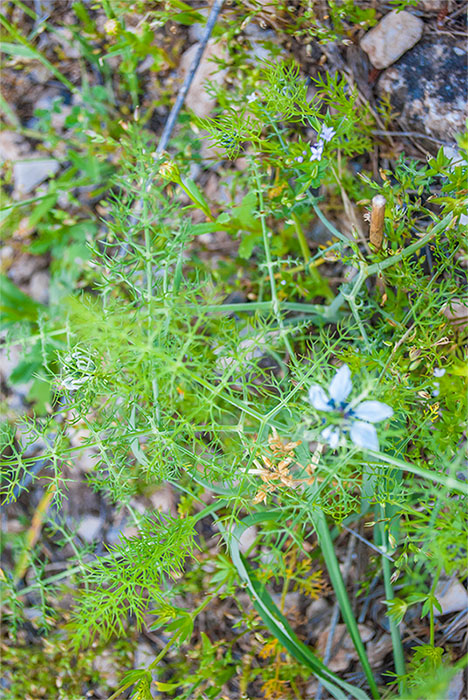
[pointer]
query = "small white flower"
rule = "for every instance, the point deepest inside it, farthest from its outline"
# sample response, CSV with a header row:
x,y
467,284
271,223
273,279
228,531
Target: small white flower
x,y
355,420
316,151
78,369
439,372
327,133
251,98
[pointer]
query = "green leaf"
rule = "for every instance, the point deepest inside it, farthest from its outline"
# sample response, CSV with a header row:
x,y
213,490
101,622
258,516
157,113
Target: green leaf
x,y
166,686
248,243
196,195
41,209
15,305
182,627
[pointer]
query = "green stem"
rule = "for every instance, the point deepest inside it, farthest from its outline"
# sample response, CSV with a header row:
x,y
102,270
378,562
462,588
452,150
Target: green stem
x,y
271,274
301,238
398,654
431,613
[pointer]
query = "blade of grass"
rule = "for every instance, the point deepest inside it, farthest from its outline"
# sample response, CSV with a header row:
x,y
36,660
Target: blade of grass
x,y
275,620
325,539
326,545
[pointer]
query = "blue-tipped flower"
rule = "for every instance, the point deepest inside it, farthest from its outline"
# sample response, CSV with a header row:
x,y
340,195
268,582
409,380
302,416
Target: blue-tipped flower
x,y
355,420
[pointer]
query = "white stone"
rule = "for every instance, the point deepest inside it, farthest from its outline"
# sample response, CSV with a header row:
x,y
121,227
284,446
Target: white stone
x,y
247,539
391,38
28,174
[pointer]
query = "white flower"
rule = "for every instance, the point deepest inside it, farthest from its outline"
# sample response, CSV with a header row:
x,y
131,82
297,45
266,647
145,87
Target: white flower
x,y
316,151
439,372
251,98
327,133
355,420
78,369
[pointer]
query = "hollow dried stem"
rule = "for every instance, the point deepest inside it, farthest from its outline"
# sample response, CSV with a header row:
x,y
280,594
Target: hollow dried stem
x,y
377,221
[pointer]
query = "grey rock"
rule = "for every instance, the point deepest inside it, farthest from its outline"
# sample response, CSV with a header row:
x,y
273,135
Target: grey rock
x,y
28,174
39,286
391,38
456,688
24,267
452,596
427,86
90,527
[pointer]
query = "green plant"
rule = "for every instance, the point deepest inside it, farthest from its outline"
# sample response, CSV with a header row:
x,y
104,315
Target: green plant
x,y
168,381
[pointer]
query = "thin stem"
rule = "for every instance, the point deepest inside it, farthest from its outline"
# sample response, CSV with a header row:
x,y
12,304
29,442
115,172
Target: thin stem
x,y
431,612
167,131
398,654
301,237
271,274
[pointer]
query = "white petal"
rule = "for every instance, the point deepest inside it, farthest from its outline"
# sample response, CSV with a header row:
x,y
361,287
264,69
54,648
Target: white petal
x,y
364,435
341,385
373,411
327,133
439,372
318,398
331,435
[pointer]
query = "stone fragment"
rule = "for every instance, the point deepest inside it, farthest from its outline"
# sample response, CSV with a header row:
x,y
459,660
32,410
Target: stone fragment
x,y
452,596
456,311
432,5
39,286
376,652
12,146
28,174
164,500
247,539
90,527
343,651
456,688
198,99
391,38
428,88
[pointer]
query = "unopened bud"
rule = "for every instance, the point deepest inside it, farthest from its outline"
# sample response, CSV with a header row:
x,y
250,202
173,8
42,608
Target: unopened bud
x,y
168,170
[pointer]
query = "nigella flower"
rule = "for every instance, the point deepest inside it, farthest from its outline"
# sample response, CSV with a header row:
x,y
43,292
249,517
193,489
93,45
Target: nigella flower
x,y
354,419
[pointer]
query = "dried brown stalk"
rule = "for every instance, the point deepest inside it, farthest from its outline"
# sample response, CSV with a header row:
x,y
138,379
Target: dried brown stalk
x,y
377,221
